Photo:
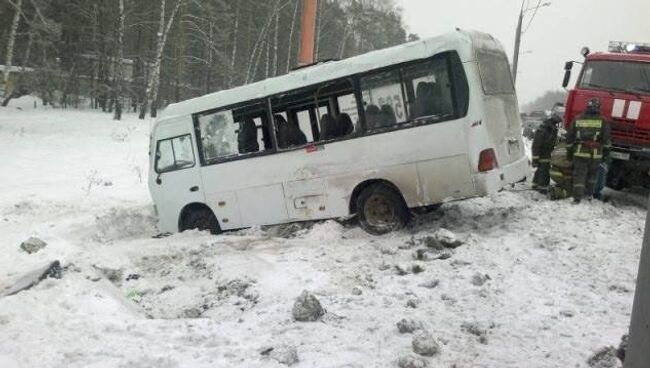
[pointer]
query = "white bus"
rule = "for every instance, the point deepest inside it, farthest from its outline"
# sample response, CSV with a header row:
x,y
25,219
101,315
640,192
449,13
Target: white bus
x,y
374,136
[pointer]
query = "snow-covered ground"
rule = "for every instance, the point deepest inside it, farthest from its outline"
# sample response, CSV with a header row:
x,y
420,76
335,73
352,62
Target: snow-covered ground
x,y
543,284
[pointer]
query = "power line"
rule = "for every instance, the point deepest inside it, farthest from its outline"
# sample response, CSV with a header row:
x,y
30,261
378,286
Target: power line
x,y
539,3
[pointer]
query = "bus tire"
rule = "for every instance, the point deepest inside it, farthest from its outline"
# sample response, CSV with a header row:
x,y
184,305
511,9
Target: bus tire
x,y
381,210
199,218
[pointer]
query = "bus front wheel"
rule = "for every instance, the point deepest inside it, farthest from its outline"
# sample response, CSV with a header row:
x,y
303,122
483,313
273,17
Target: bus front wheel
x,y
381,210
199,218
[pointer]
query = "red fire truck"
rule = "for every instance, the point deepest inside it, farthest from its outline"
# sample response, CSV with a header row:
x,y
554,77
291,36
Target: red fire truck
x,y
620,78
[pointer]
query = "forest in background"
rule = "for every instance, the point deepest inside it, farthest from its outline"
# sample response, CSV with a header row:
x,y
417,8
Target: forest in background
x,y
144,54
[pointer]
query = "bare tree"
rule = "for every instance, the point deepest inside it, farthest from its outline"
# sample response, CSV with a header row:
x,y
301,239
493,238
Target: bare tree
x,y
119,62
10,44
154,77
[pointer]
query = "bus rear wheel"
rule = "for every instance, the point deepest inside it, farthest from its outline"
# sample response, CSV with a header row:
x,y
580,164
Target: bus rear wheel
x,y
381,210
201,219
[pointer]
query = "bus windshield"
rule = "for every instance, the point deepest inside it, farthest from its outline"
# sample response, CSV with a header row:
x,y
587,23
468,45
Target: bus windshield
x,y
622,76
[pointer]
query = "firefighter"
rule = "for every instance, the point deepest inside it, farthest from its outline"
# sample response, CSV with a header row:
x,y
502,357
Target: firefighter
x,y
543,145
588,145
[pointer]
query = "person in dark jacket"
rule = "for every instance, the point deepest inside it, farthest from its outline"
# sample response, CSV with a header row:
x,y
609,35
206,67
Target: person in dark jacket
x,y
543,145
588,146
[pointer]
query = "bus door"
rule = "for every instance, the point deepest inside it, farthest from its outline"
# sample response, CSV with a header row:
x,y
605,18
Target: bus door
x,y
176,179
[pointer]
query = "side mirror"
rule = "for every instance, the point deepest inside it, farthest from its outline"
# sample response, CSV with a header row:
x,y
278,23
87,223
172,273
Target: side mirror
x,y
567,73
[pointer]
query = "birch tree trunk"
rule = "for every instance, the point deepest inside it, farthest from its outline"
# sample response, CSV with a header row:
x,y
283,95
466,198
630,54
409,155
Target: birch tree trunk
x,y
10,46
118,67
291,33
275,44
233,57
154,76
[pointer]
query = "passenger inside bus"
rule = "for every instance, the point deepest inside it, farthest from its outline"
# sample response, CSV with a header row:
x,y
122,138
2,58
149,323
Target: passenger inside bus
x,y
344,125
247,137
329,129
289,135
373,116
388,117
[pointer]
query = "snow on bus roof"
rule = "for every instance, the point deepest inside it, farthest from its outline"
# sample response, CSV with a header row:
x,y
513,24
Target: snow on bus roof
x,y
460,40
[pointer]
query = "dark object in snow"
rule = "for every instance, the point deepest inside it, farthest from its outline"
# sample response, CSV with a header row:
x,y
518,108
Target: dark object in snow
x,y
442,239
412,361
604,358
476,330
31,279
400,271
133,276
113,275
161,235
479,279
566,313
424,344
33,245
408,326
417,269
430,284
412,303
191,313
443,256
356,291
307,308
622,348
285,354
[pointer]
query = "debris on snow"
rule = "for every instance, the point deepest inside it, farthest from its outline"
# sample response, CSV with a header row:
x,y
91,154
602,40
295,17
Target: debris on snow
x,y
31,279
409,326
622,348
33,245
442,239
604,358
480,279
307,308
566,313
417,269
412,361
424,344
113,275
476,330
356,291
191,313
412,303
430,284
284,354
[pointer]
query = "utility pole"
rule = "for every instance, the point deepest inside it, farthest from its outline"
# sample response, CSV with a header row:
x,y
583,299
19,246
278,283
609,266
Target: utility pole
x,y
308,32
519,32
638,355
515,57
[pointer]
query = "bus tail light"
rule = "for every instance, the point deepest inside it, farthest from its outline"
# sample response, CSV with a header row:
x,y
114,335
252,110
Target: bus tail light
x,y
487,160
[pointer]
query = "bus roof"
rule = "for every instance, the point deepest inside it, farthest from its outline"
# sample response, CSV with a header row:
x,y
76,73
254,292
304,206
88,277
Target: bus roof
x,y
460,40
615,56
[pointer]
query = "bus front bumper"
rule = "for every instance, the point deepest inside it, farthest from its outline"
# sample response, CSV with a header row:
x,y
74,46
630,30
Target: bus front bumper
x,y
493,181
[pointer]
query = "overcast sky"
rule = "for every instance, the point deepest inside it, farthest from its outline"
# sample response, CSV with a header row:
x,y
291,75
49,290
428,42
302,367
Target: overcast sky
x,y
556,35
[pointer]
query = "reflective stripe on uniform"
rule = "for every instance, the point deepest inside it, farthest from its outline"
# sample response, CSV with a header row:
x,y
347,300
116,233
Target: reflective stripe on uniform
x,y
556,173
535,157
545,160
593,124
582,155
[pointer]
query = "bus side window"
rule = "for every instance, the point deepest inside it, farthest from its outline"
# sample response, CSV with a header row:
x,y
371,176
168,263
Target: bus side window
x,y
383,100
429,88
232,133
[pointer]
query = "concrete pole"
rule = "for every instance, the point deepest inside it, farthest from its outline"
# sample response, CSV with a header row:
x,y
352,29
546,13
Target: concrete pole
x,y
308,32
638,352
515,57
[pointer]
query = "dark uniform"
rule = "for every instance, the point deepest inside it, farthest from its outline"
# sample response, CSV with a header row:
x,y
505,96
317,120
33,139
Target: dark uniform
x,y
588,145
543,145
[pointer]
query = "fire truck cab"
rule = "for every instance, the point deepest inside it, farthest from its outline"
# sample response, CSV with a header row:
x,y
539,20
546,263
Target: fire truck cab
x,y
620,78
